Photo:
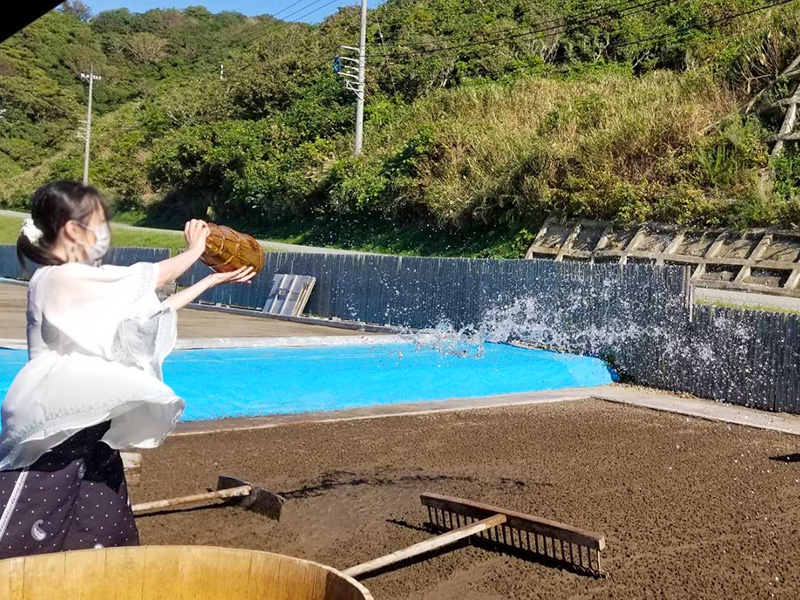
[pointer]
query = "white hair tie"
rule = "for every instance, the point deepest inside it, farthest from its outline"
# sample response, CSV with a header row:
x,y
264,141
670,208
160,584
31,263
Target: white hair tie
x,y
31,231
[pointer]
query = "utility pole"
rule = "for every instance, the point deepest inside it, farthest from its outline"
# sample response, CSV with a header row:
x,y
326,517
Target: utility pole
x,y
353,71
362,59
90,77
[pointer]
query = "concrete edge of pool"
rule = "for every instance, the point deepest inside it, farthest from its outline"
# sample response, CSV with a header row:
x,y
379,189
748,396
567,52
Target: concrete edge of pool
x,y
268,342
13,344
287,342
620,394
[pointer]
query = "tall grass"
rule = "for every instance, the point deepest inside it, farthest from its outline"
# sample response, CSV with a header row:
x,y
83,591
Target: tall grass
x,y
610,146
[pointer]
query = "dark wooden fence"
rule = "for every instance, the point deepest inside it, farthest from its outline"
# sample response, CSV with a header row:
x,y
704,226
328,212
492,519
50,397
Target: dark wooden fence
x,y
10,267
422,292
640,318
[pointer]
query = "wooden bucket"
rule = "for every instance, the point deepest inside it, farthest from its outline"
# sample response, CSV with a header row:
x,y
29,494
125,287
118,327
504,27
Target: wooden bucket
x,y
228,250
173,572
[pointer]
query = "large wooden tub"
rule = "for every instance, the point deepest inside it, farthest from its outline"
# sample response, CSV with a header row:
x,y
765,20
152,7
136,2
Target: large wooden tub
x,y
173,573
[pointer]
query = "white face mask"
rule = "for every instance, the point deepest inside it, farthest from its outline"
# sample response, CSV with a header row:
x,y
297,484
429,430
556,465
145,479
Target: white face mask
x,y
102,241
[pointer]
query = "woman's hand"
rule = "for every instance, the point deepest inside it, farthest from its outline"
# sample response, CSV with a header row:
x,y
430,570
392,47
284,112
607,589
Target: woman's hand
x,y
196,232
187,295
243,275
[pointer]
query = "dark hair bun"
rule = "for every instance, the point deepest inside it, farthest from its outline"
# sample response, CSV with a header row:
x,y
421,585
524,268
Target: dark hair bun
x,y
52,206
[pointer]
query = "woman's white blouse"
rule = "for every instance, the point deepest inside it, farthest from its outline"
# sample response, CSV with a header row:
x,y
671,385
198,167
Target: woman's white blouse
x,y
96,339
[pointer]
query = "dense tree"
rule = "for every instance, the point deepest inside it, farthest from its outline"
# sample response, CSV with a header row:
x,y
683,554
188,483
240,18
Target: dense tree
x,y
480,116
144,47
77,9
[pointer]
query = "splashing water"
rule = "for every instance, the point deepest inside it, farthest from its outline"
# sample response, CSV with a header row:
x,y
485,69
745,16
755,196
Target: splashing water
x,y
628,331
447,340
642,322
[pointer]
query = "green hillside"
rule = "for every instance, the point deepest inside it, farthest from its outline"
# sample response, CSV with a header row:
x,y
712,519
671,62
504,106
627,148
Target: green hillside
x,y
482,119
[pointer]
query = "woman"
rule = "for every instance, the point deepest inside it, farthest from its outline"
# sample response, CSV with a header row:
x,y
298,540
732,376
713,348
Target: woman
x,y
97,336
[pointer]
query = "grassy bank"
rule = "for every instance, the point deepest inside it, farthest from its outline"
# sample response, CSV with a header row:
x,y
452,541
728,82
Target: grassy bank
x,y
389,236
10,227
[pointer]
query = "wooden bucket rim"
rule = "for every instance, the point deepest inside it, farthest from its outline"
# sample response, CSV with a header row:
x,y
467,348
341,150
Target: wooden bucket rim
x,y
245,551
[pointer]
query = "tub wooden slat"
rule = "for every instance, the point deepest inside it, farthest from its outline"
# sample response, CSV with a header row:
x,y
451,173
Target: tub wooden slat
x,y
125,567
234,579
200,575
85,573
44,577
161,574
12,578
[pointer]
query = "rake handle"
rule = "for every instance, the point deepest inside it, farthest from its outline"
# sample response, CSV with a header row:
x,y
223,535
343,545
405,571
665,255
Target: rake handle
x,y
242,490
434,543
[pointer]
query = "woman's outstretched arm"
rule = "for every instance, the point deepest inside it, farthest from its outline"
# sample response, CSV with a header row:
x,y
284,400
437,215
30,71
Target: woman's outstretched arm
x,y
180,299
195,232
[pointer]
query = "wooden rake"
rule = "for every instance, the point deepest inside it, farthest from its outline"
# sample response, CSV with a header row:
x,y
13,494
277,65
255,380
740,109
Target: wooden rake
x,y
230,489
514,532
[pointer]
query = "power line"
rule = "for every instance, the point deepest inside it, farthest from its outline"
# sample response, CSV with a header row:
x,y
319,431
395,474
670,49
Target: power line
x,y
602,11
268,26
710,22
619,10
250,34
325,63
295,3
630,10
598,12
265,28
309,12
297,20
380,33
247,32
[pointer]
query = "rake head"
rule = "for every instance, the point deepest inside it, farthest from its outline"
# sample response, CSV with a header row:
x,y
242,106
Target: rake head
x,y
521,534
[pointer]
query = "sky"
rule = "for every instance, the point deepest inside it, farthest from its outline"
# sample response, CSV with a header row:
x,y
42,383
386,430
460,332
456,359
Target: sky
x,y
247,7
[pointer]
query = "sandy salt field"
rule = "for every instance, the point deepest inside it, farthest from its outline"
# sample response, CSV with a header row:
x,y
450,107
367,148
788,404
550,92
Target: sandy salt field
x,y
690,508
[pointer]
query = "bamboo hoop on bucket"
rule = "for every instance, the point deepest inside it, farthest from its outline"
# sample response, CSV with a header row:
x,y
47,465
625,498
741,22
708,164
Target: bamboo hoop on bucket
x,y
228,250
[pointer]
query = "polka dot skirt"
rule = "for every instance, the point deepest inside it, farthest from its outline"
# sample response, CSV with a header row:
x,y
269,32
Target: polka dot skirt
x,y
73,497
